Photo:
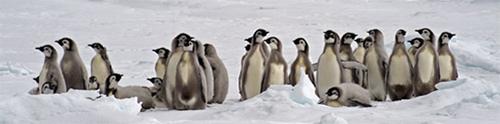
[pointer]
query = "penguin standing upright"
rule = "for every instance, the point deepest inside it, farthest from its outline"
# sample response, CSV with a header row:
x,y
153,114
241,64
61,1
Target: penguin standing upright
x,y
51,72
161,62
73,69
240,75
447,64
221,78
345,54
415,45
100,66
400,71
376,62
208,76
359,52
276,68
427,64
329,68
253,67
302,61
173,60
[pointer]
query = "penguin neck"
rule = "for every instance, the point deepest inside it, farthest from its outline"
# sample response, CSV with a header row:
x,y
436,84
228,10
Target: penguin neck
x,y
332,46
443,45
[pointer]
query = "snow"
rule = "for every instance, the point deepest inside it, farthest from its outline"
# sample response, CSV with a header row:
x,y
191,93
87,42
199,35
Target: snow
x,y
304,92
131,28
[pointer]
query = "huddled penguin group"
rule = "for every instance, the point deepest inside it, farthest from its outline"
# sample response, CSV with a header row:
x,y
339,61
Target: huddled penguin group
x,y
191,75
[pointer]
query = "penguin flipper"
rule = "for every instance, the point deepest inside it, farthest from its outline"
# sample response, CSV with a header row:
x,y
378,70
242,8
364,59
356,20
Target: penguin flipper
x,y
358,103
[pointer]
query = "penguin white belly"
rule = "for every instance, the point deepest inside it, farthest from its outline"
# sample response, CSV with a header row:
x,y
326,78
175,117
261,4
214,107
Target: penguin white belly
x,y
359,54
170,75
446,67
160,69
375,80
43,75
426,66
185,68
254,74
399,70
100,69
328,72
277,72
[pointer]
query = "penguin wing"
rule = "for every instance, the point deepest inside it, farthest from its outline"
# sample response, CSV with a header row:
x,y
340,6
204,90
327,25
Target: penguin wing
x,y
454,65
355,102
108,63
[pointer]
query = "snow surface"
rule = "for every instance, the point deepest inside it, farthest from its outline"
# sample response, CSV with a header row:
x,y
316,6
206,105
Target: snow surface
x,y
131,28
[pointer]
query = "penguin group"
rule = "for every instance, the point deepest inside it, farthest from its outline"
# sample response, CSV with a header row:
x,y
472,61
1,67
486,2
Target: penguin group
x,y
346,77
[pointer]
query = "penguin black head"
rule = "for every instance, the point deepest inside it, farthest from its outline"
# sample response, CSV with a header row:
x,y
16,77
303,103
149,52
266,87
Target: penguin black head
x,y
258,35
368,42
180,39
98,47
156,81
37,79
373,31
112,83
360,41
445,37
162,52
247,47
426,34
331,36
92,79
66,42
400,36
189,45
48,88
348,37
48,51
301,44
210,49
274,43
416,42
334,93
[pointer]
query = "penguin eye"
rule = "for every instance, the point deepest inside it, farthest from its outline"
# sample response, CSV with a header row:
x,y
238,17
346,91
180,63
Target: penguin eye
x,y
425,32
65,42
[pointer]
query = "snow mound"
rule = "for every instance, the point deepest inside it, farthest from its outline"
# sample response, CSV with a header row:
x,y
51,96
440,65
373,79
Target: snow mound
x,y
304,92
14,69
332,119
72,107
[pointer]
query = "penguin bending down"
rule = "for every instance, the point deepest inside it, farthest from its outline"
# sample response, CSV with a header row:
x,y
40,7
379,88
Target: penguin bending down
x,y
253,67
100,66
51,72
93,83
161,62
345,54
329,68
301,61
415,45
208,75
158,98
427,64
142,93
171,73
359,53
400,71
276,68
447,64
221,78
347,94
72,66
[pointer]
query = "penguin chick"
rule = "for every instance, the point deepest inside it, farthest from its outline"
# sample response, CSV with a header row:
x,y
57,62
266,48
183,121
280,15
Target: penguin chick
x,y
142,93
347,94
161,62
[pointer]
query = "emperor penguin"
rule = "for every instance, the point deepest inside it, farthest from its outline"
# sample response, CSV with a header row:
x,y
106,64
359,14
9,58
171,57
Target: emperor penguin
x,y
142,93
51,72
359,52
170,75
329,65
161,62
447,64
240,81
188,91
221,78
426,64
264,47
100,66
301,61
252,72
400,71
376,62
208,76
347,94
72,66
345,54
276,68
93,83
416,43
158,98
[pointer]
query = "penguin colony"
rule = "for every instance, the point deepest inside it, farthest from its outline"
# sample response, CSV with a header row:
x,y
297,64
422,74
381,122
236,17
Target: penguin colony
x,y
190,75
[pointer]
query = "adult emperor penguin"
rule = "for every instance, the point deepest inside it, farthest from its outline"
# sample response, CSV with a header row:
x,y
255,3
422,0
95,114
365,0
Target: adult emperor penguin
x,y
347,94
301,61
173,61
359,52
400,71
72,66
447,64
276,68
161,62
206,69
221,78
100,66
416,43
329,68
253,67
142,93
345,54
51,72
376,62
427,64
93,83
188,92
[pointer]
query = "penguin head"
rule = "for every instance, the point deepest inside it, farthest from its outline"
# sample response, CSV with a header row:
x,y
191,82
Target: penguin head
x,y
425,33
37,79
210,49
368,42
274,43
400,36
156,81
360,41
98,47
112,81
188,45
48,51
416,42
348,37
331,37
445,37
162,52
301,44
92,79
48,88
180,39
66,43
258,35
334,93
247,47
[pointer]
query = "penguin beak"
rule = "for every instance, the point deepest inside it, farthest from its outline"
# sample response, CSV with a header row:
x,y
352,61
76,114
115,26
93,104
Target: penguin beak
x,y
91,45
249,40
265,33
156,50
418,31
267,41
354,36
119,77
59,42
150,80
39,48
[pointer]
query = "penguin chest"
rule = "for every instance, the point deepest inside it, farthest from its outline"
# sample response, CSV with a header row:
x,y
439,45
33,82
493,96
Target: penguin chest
x,y
277,73
359,54
426,65
445,66
399,70
185,71
334,103
43,75
100,69
375,75
160,69
329,73
254,73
